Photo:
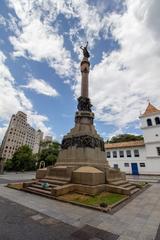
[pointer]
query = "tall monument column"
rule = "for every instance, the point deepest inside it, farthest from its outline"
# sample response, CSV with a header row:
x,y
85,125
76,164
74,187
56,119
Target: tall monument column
x,y
85,72
83,146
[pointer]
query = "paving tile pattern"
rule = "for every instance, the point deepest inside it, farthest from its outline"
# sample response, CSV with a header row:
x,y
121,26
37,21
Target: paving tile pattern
x,y
89,233
138,220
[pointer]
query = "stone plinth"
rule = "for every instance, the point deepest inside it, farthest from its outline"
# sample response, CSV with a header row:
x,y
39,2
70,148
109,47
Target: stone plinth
x,y
41,173
88,176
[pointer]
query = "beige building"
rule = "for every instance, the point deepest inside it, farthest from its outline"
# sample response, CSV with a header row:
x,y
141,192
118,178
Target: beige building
x,y
19,133
38,140
47,139
45,143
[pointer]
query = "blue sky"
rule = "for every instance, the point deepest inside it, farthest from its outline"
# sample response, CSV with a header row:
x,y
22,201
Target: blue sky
x,y
40,57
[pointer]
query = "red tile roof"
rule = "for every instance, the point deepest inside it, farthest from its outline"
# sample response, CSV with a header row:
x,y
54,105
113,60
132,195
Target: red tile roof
x,y
138,143
150,109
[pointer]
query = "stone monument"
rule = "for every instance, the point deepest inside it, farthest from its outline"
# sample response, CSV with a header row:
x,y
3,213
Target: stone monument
x,y
81,166
82,159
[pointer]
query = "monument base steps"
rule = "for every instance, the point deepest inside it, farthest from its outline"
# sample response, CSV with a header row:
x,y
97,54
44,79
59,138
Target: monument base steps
x,y
57,188
122,187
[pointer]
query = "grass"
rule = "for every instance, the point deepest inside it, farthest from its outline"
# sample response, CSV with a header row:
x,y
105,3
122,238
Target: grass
x,y
104,197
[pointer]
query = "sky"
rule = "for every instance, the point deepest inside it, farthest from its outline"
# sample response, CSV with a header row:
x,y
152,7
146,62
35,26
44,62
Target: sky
x,y
40,62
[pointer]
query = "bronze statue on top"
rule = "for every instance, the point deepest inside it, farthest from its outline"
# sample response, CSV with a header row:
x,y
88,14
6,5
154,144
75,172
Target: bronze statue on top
x,y
85,51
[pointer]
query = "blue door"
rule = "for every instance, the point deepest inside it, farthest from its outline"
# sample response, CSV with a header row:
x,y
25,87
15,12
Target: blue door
x,y
134,169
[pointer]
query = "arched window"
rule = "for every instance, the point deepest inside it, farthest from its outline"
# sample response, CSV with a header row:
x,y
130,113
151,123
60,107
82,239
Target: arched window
x,y
157,120
149,122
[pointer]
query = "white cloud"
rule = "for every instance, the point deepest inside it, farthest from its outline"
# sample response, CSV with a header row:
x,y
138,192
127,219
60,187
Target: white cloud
x,y
37,39
36,32
8,94
124,79
41,87
39,121
115,133
12,99
2,21
3,131
122,82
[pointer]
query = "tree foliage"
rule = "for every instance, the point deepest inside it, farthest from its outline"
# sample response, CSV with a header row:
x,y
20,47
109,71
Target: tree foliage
x,y
49,155
125,138
22,160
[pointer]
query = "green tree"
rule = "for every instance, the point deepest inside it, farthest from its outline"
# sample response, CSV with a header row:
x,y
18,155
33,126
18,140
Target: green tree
x,y
125,138
49,155
8,165
22,160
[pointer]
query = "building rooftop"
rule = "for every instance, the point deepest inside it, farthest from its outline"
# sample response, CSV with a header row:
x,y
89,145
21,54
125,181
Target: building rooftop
x,y
150,110
138,143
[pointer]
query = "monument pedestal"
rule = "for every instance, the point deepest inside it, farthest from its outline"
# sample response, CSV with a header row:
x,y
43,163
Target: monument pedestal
x,y
82,161
82,148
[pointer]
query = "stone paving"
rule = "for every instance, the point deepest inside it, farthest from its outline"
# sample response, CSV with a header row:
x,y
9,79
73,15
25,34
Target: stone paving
x,y
138,220
18,222
17,175
145,178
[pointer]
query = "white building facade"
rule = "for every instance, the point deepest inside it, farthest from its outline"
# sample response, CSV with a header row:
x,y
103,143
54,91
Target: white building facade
x,y
139,157
19,133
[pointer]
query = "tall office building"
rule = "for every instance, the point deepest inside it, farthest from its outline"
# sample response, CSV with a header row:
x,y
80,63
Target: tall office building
x,y
19,133
38,140
47,139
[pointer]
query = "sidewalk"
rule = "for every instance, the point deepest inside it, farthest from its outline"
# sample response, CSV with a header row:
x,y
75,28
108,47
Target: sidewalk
x,y
144,178
18,175
138,220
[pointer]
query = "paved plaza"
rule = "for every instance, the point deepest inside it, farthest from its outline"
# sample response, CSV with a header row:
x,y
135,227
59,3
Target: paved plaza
x,y
139,219
144,178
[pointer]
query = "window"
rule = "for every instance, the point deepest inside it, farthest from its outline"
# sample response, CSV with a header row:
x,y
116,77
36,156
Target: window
x,y
149,122
158,151
142,164
157,120
126,164
128,152
108,154
136,153
114,154
115,166
121,154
